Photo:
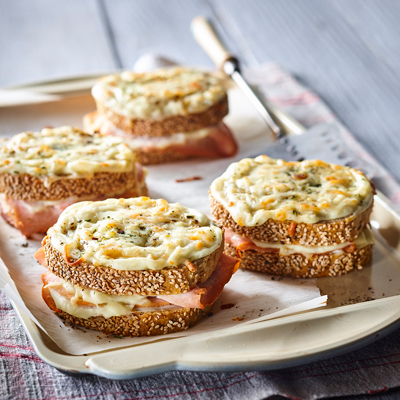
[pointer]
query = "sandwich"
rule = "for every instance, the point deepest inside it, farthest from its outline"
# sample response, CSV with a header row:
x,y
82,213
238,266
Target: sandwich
x,y
42,173
133,267
165,115
300,219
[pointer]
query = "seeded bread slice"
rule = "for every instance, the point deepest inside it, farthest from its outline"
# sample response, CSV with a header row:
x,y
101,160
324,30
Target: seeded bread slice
x,y
145,283
323,233
30,188
299,266
137,323
167,126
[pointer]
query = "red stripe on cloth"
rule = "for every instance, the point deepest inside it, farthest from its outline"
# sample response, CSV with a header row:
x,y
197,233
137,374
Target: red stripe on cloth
x,y
17,347
25,356
332,373
193,392
349,362
158,388
304,98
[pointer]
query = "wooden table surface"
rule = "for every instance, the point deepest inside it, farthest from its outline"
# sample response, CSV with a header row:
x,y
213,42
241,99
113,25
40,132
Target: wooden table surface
x,y
348,51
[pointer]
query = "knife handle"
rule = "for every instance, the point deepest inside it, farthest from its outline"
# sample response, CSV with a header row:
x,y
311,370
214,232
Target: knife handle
x,y
206,37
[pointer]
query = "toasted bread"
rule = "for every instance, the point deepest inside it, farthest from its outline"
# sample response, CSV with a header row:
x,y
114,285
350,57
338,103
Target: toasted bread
x,y
41,173
323,233
300,266
145,283
169,125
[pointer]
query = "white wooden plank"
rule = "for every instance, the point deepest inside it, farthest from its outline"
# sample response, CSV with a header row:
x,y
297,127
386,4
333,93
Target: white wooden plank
x,y
377,24
159,27
46,38
314,41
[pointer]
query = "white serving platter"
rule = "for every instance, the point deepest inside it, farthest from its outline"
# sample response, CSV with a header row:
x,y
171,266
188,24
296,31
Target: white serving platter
x,y
348,321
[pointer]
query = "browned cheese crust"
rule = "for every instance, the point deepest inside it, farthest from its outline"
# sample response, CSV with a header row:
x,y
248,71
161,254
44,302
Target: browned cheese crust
x,y
323,233
167,126
145,283
30,188
298,266
141,323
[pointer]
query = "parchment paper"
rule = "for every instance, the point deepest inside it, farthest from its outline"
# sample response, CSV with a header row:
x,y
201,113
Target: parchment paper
x,y
255,297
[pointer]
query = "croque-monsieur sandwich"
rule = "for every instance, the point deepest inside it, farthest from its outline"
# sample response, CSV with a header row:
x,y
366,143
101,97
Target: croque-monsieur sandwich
x,y
165,115
42,173
133,267
300,219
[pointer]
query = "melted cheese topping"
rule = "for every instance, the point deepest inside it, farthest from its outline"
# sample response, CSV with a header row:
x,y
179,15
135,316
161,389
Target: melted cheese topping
x,y
159,94
64,151
255,190
364,239
134,234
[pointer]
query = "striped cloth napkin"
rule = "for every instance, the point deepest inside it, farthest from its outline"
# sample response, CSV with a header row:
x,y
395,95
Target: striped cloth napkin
x,y
372,369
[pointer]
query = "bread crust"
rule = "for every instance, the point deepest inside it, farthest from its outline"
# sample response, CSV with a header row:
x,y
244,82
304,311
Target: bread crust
x,y
298,266
323,233
167,126
30,188
163,156
145,283
141,323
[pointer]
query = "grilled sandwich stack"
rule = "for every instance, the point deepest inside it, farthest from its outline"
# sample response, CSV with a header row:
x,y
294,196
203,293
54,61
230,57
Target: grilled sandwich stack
x,y
42,173
300,219
165,115
133,267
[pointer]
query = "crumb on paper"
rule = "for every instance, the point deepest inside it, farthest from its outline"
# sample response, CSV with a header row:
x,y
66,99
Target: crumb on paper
x,y
227,306
238,319
25,244
189,179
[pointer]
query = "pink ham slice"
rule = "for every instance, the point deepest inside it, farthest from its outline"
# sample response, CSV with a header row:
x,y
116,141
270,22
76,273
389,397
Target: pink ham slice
x,y
28,221
199,297
210,290
218,143
243,243
19,214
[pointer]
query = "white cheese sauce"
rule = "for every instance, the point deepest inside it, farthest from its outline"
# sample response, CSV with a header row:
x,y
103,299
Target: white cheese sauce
x,y
134,234
64,152
255,190
364,239
149,142
159,94
106,305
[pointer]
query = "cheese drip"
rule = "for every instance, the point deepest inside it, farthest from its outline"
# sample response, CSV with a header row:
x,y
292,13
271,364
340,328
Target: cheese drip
x,y
364,239
134,234
159,94
255,190
64,152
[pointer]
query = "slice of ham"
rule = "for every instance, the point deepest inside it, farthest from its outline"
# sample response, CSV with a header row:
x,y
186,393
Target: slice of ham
x,y
48,278
203,295
219,141
244,243
28,221
32,217
40,256
206,293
